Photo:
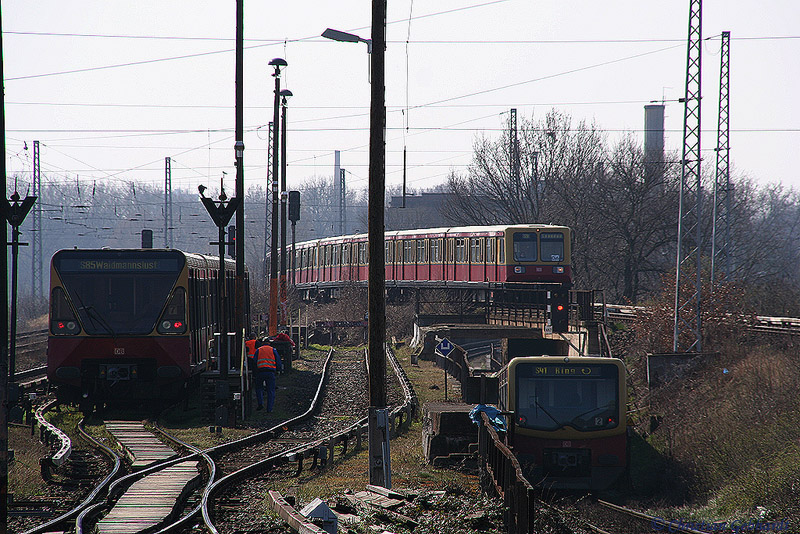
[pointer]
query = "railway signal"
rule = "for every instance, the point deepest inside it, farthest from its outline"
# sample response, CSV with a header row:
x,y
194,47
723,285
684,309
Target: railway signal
x,y
231,242
559,310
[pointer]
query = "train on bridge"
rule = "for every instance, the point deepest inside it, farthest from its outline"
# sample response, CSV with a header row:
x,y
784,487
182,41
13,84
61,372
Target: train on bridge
x,y
499,256
132,324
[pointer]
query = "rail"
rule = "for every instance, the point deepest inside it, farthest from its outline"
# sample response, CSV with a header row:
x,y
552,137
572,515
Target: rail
x,y
80,510
320,449
502,475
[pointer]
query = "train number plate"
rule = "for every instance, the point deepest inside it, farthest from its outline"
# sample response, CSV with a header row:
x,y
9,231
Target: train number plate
x,y
119,351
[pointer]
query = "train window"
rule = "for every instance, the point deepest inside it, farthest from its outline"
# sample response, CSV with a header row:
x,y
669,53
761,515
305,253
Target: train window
x,y
476,248
450,247
461,250
345,254
436,251
327,255
421,256
119,302
552,396
490,252
62,319
399,251
408,250
525,246
362,253
552,244
387,252
335,254
173,320
502,250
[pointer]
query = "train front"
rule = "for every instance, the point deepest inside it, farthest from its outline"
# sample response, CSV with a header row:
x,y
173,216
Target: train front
x,y
569,413
118,327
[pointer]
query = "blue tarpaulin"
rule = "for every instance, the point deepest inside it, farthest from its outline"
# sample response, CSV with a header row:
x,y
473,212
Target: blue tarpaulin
x,y
491,412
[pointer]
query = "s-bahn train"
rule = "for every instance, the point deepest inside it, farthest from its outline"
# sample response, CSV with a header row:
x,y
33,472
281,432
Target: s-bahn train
x,y
451,257
569,417
132,324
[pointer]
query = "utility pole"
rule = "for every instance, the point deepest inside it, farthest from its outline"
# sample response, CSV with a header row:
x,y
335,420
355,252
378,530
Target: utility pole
x,y
167,202
238,148
379,457
720,244
285,94
37,286
3,308
687,333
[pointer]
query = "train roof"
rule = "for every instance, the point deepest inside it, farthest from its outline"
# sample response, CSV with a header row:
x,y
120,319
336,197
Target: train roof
x,y
192,258
440,231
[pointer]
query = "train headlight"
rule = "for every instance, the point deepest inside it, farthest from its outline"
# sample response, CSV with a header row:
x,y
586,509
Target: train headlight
x,y
173,320
519,269
559,269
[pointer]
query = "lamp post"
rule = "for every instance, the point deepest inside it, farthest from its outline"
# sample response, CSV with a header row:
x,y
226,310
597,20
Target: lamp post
x,y
284,94
277,63
379,458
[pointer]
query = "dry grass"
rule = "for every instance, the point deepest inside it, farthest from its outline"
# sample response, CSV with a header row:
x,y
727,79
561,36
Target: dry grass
x,y
730,439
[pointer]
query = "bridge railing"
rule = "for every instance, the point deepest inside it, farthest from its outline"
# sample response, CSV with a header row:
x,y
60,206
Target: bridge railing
x,y
501,475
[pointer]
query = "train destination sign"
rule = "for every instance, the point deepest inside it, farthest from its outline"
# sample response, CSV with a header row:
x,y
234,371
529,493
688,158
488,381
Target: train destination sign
x,y
576,371
128,265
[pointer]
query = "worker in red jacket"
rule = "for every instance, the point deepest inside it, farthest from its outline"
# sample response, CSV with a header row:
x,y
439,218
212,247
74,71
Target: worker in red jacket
x,y
267,364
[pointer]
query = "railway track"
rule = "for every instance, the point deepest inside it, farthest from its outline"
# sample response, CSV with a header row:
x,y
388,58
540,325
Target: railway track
x,y
333,424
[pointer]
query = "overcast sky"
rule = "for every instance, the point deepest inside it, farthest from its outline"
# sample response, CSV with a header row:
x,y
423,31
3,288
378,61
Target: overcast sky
x,y
111,88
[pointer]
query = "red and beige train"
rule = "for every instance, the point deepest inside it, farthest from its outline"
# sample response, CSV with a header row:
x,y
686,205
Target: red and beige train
x,y
131,324
470,256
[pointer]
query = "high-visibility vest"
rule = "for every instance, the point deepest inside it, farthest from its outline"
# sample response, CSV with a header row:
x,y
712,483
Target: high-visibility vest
x,y
250,345
265,358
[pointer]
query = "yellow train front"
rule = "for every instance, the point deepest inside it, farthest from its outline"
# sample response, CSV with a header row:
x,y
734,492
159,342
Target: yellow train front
x,y
130,325
569,419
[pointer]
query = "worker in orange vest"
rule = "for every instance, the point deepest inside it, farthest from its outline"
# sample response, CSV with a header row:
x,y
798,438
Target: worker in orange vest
x,y
267,363
250,349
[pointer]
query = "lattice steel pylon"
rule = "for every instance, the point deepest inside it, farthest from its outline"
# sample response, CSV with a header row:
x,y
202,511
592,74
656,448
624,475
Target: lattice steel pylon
x,y
687,334
167,202
37,287
721,230
268,202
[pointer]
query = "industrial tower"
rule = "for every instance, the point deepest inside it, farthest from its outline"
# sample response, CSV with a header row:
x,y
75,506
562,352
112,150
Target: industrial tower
x,y
687,333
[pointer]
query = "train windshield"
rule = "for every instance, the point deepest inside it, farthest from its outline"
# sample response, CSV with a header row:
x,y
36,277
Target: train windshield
x,y
552,246
525,246
117,293
550,396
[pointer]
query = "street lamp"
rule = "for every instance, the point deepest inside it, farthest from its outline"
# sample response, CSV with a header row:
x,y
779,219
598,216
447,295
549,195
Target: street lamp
x,y
284,94
277,63
345,37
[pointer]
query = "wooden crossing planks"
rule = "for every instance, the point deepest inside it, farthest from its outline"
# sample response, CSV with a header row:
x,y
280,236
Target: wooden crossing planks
x,y
149,501
142,444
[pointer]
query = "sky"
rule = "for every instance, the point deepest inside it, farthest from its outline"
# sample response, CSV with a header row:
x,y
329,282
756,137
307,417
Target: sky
x,y
110,89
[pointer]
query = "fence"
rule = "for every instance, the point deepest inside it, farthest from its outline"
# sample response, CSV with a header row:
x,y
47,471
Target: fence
x,y
501,475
